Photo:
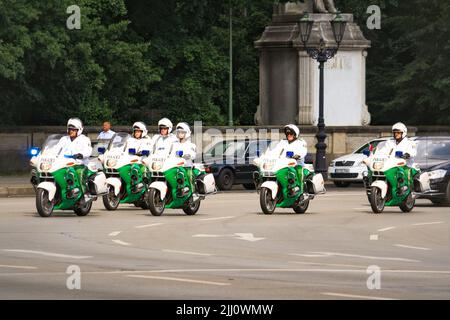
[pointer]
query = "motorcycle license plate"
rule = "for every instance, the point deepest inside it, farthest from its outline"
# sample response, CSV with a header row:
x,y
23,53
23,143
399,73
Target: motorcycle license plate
x,y
342,170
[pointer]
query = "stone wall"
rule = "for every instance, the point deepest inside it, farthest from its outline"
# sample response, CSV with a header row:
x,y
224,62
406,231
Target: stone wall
x,y
16,141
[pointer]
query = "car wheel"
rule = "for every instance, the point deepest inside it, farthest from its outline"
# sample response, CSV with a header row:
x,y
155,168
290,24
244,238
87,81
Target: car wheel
x,y
443,202
341,184
226,179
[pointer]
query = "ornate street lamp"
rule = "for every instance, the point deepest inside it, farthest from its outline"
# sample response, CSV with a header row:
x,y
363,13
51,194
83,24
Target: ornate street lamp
x,y
321,54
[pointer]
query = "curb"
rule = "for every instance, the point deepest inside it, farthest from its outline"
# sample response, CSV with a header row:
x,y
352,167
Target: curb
x,y
20,191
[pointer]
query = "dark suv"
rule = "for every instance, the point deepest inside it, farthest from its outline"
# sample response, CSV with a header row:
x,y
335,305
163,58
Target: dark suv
x,y
231,162
433,156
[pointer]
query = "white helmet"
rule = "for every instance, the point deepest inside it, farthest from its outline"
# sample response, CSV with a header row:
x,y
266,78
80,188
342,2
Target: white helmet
x,y
293,128
75,123
400,127
184,127
164,122
140,126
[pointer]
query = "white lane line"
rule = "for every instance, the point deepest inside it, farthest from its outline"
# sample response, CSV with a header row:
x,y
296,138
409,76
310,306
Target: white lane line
x,y
187,252
411,247
148,225
181,280
219,218
343,295
17,267
122,243
49,254
115,233
328,264
373,237
427,223
386,229
331,254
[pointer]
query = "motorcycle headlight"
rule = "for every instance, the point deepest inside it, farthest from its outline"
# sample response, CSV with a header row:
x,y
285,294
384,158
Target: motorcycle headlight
x,y
378,165
156,166
45,166
111,163
268,166
437,174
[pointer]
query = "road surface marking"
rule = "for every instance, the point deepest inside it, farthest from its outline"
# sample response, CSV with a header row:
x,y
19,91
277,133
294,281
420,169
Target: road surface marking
x,y
386,229
343,295
247,237
411,247
187,252
181,280
329,264
239,236
331,254
115,233
210,236
441,272
148,225
219,218
123,243
374,237
49,254
427,223
17,267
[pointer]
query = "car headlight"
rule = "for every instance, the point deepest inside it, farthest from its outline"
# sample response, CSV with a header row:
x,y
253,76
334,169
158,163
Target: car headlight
x,y
437,174
332,163
111,163
45,166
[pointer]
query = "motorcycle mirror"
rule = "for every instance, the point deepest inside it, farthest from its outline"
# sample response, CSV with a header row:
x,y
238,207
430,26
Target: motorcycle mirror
x,y
366,152
145,153
101,150
179,153
34,151
289,154
399,154
132,151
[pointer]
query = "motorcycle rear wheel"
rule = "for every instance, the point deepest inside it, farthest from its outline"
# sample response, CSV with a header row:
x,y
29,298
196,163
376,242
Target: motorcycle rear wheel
x,y
83,208
192,207
302,207
408,204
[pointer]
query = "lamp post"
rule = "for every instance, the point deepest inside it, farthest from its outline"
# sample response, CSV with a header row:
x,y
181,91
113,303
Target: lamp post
x,y
321,54
230,92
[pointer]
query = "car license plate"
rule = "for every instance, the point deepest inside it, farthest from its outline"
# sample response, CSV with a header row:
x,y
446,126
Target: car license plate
x,y
342,170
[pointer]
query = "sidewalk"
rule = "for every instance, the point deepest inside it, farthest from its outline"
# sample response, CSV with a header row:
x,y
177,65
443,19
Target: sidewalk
x,y
15,186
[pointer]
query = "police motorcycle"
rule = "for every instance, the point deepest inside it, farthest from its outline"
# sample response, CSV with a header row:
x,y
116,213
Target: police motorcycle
x,y
173,187
127,177
389,182
62,182
281,185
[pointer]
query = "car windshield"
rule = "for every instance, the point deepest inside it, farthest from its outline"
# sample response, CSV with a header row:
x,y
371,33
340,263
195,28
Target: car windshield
x,y
227,148
433,149
365,147
50,146
119,142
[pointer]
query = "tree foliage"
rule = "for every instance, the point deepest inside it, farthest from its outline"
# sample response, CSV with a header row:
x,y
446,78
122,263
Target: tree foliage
x,y
138,60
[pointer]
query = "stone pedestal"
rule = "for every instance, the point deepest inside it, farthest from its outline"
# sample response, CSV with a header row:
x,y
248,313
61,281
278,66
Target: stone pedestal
x,y
289,78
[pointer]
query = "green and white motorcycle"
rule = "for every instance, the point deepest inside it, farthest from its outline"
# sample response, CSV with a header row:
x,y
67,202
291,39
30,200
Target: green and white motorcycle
x,y
281,183
127,177
173,186
62,182
389,182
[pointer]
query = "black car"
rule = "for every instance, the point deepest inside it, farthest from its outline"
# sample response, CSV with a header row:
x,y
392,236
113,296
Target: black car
x,y
231,162
433,156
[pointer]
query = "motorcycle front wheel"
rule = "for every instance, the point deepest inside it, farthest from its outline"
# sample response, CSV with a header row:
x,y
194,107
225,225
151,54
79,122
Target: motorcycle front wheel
x,y
43,205
408,204
376,201
111,201
155,204
268,205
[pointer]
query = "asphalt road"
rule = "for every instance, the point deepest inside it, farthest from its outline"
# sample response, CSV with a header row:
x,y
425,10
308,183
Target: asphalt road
x,y
229,250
